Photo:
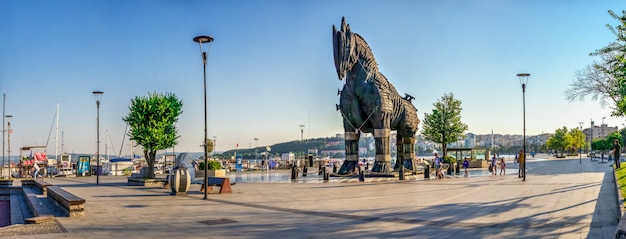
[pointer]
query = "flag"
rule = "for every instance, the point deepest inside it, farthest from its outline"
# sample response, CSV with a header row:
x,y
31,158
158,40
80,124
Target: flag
x,y
237,145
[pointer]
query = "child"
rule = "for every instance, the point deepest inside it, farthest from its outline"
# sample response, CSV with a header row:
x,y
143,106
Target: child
x,y
465,166
502,166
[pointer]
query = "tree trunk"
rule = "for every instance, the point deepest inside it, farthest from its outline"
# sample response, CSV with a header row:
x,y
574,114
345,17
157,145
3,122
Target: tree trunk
x,y
150,158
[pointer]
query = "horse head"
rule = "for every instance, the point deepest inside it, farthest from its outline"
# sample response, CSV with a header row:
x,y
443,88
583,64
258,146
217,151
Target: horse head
x,y
344,46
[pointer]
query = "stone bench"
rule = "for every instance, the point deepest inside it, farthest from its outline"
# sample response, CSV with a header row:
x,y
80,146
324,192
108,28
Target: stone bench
x,y
39,184
38,209
223,183
71,204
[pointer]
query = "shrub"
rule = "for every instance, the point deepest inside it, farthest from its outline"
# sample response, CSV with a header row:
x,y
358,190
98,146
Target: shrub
x,y
213,165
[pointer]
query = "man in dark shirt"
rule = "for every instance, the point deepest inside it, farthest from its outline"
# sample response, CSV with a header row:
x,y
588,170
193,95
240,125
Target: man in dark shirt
x,y
617,151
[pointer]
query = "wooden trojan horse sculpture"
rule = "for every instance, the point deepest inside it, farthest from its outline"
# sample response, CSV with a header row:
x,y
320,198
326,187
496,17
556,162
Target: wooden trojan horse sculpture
x,y
369,103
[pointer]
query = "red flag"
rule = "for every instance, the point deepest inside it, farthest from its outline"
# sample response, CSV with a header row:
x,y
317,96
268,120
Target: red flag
x,y
237,145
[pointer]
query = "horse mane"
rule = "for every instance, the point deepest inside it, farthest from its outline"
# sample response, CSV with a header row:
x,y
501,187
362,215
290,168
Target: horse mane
x,y
364,51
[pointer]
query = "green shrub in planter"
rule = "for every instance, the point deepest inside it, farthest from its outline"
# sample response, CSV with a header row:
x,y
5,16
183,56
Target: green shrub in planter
x,y
213,165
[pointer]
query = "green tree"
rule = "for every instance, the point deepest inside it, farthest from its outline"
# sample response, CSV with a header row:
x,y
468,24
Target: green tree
x,y
605,80
612,137
577,140
444,125
151,120
560,140
600,144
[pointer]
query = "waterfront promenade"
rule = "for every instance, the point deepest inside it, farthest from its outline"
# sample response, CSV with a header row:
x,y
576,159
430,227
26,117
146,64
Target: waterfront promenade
x,y
560,199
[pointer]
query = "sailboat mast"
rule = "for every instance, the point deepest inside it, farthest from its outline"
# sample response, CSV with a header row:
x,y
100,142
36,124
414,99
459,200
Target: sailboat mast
x,y
56,138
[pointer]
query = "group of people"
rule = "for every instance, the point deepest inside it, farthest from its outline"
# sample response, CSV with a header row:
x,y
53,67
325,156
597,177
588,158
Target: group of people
x,y
494,165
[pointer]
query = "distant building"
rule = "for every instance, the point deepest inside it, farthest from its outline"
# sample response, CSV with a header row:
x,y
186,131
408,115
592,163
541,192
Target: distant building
x,y
599,132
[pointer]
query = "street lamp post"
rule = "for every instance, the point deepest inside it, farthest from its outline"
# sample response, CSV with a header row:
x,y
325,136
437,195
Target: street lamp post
x,y
98,95
256,141
200,40
580,150
302,139
4,99
523,79
9,141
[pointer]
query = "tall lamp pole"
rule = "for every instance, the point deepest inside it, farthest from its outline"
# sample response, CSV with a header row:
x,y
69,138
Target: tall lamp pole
x,y
98,95
302,139
200,40
523,79
9,141
4,99
580,150
256,141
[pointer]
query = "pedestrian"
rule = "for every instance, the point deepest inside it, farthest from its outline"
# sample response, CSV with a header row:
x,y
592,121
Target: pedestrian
x,y
494,161
36,169
502,166
465,165
617,153
438,163
521,169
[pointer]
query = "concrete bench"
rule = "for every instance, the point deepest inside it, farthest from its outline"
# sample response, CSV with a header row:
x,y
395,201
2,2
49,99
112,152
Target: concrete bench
x,y
42,186
38,209
71,204
223,183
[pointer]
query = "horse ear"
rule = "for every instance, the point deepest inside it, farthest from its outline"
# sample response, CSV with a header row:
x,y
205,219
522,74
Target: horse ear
x,y
344,25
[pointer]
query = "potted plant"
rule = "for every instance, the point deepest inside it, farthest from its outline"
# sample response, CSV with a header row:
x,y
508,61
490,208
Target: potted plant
x,y
214,169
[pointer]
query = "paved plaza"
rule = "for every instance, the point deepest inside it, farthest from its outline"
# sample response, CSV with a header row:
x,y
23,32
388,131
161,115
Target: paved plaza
x,y
559,199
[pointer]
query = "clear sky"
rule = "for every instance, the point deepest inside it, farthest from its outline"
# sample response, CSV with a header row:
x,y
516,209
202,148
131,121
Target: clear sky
x,y
271,66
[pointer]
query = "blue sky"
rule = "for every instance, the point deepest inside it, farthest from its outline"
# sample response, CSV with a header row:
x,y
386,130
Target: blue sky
x,y
271,67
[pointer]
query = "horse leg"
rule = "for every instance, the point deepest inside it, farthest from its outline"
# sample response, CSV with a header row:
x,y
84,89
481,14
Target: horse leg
x,y
382,161
352,153
399,153
408,155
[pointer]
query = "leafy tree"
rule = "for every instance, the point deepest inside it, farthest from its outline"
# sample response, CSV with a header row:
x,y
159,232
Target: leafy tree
x,y
577,140
612,137
151,120
444,125
605,80
600,144
560,140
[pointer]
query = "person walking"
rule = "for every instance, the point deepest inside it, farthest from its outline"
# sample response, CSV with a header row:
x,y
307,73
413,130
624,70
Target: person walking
x,y
465,166
36,170
617,151
494,161
438,162
520,160
502,166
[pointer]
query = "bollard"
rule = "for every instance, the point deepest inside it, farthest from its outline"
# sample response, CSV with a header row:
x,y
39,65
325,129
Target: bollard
x,y
401,173
304,171
326,174
427,172
361,175
334,168
319,170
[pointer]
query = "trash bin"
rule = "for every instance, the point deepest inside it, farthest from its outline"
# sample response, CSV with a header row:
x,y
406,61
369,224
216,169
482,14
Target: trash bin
x,y
180,181
427,172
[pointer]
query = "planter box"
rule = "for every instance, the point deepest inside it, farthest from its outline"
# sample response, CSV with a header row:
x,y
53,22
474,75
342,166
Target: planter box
x,y
147,182
220,173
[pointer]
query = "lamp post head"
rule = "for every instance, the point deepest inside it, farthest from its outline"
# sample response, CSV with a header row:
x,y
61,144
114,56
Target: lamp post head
x,y
9,116
98,95
203,39
523,80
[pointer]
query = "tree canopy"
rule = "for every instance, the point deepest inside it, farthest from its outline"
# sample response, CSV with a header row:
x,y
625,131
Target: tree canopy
x,y
564,139
444,124
605,80
151,120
